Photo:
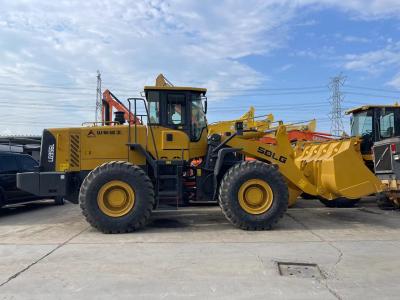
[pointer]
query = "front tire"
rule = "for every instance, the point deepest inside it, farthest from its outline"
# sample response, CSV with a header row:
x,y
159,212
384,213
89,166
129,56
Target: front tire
x,y
117,197
253,195
384,203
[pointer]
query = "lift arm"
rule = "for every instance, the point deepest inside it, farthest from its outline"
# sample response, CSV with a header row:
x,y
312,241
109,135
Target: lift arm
x,y
329,169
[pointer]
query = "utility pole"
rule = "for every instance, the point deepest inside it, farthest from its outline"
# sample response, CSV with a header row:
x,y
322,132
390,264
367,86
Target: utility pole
x,y
336,100
98,98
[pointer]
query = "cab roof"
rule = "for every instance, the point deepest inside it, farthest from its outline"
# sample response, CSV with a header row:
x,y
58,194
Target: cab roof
x,y
368,106
175,88
163,84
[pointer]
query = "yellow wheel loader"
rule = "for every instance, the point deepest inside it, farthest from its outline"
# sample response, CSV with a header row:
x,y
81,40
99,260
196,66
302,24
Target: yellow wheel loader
x,y
119,173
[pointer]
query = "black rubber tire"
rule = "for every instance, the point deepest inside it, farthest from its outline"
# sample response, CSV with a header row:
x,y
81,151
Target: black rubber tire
x,y
59,200
128,173
340,202
228,195
384,203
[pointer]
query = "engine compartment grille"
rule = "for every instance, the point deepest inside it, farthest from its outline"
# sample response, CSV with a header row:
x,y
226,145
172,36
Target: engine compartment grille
x,y
75,150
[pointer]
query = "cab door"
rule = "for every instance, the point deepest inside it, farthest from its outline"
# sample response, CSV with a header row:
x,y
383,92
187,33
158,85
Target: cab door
x,y
169,124
175,137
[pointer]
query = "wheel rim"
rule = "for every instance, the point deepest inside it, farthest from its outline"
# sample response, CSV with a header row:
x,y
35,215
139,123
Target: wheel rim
x,y
255,196
116,198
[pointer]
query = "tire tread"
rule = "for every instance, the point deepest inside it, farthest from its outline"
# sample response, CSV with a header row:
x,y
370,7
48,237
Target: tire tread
x,y
228,182
121,166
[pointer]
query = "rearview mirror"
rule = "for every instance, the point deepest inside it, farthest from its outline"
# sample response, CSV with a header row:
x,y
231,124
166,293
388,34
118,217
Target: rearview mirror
x,y
205,105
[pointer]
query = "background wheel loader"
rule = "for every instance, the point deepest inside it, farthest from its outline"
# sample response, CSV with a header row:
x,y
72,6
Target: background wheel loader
x,y
119,173
379,128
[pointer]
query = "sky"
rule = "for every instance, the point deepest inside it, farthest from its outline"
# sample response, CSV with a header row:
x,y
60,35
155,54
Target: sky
x,y
278,56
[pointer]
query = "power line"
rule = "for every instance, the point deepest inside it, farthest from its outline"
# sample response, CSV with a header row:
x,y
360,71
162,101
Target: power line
x,y
215,95
44,92
272,89
61,87
81,107
220,95
371,95
372,89
256,88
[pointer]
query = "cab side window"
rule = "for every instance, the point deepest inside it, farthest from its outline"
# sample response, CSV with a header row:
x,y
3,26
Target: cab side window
x,y
154,107
386,124
198,118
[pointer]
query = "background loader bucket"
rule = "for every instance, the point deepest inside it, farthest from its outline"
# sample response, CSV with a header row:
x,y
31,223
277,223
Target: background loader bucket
x,y
337,169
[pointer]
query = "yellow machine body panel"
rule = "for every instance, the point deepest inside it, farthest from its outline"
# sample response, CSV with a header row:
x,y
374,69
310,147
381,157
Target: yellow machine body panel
x,y
168,143
173,144
199,148
179,140
86,148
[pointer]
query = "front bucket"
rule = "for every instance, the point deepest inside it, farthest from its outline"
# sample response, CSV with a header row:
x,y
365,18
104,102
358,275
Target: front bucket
x,y
337,169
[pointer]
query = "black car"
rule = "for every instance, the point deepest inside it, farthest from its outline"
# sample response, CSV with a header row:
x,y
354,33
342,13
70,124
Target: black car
x,y
11,164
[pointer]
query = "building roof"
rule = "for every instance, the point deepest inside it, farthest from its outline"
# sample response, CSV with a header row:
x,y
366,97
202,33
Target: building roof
x,y
20,140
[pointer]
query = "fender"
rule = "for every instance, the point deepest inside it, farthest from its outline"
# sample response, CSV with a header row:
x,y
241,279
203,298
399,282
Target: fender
x,y
219,163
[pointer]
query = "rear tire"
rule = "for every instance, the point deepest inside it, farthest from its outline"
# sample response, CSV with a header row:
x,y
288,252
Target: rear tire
x,y
117,197
253,195
340,202
384,203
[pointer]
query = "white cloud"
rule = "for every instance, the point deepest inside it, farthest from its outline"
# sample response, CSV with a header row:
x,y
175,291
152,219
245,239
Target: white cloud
x,y
285,67
372,9
192,42
65,42
374,61
395,82
355,39
377,62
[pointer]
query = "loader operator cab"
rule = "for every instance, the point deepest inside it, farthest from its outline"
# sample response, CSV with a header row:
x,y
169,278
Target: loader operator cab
x,y
178,108
374,123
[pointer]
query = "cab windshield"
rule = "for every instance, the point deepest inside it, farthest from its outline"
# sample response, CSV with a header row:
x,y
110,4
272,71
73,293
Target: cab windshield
x,y
198,118
361,124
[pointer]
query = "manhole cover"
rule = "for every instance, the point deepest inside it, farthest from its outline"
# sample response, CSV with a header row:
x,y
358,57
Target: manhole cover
x,y
303,270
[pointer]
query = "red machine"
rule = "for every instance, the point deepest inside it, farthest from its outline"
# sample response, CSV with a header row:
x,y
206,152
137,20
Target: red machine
x,y
110,102
300,135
